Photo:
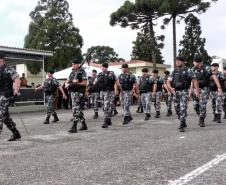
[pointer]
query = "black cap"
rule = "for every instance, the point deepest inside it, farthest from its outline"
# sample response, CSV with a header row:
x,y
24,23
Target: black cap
x,y
198,59
75,61
94,71
180,59
105,65
145,70
224,67
2,56
125,66
166,72
155,71
215,65
50,70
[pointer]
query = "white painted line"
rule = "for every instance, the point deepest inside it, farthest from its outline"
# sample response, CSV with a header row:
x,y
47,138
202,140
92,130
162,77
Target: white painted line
x,y
190,176
182,137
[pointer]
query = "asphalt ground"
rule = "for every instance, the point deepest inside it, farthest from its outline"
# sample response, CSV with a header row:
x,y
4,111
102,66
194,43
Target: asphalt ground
x,y
142,153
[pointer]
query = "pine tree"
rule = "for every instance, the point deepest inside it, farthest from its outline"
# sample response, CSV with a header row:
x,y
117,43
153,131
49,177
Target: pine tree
x,y
52,29
192,43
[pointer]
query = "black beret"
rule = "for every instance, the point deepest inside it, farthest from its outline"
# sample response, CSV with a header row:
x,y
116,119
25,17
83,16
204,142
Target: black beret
x,y
75,61
145,70
105,65
125,66
2,56
166,72
155,71
50,70
180,59
224,67
94,71
198,59
215,64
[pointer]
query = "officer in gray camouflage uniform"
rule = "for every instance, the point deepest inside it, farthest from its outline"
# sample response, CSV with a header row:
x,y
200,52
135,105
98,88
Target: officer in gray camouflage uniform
x,y
224,93
157,92
145,87
179,84
167,94
95,93
76,83
126,80
203,74
8,75
216,92
50,87
106,82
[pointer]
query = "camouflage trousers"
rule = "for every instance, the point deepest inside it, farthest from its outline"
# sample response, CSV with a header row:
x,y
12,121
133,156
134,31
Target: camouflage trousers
x,y
108,97
200,104
180,100
95,97
146,102
126,98
157,101
216,102
50,99
224,102
4,114
77,99
169,101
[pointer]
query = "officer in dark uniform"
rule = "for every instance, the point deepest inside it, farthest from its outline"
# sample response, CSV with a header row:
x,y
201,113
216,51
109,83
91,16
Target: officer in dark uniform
x,y
8,75
50,87
94,93
157,92
167,94
179,83
106,81
203,74
127,81
216,92
76,83
224,93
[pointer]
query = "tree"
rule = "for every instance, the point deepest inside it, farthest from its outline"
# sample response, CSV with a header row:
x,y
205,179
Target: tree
x,y
142,49
178,8
52,29
139,15
101,54
192,43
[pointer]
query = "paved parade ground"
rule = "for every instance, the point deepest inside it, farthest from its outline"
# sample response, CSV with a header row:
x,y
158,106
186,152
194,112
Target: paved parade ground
x,y
141,153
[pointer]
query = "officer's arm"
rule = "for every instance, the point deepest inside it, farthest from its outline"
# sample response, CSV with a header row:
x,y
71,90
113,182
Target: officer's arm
x,y
16,85
166,87
62,91
82,83
216,80
118,85
196,86
155,88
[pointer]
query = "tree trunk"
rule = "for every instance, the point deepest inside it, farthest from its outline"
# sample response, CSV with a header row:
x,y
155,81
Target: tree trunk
x,y
174,41
152,36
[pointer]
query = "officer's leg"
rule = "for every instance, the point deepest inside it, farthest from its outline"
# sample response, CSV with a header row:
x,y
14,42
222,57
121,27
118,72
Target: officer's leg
x,y
75,100
196,105
95,103
176,102
183,110
107,108
49,108
53,110
219,108
147,98
224,105
214,97
80,111
127,102
158,104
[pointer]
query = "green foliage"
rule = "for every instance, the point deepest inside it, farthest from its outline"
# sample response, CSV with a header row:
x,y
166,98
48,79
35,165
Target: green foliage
x,y
102,54
52,29
192,43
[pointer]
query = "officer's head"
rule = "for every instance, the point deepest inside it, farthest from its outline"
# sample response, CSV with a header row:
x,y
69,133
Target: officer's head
x,y
50,72
155,72
180,61
125,68
197,61
75,63
105,67
2,56
94,72
214,67
224,69
166,73
145,71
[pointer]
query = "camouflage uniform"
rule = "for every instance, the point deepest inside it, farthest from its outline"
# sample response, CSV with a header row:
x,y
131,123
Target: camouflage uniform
x,y
168,98
127,81
7,75
181,79
77,94
224,96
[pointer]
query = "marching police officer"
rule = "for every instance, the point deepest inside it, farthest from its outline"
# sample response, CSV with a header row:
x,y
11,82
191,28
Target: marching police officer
x,y
76,83
167,94
8,75
157,92
179,84
127,81
203,74
224,93
106,81
50,87
216,92
94,92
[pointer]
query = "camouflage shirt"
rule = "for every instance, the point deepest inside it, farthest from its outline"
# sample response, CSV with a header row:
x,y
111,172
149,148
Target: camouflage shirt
x,y
76,74
50,85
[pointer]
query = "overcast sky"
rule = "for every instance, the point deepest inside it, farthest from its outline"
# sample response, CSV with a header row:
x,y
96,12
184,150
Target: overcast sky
x,y
92,18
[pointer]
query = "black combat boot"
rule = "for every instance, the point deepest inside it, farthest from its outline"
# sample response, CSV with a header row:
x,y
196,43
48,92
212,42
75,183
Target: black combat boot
x,y
182,126
74,127
224,115
147,116
138,110
157,115
114,112
109,122
215,117
95,115
169,113
1,127
202,122
130,118
105,124
126,120
84,126
141,110
47,120
16,135
56,119
218,118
